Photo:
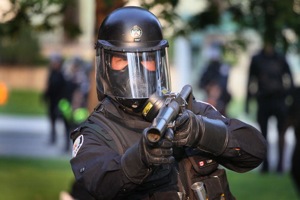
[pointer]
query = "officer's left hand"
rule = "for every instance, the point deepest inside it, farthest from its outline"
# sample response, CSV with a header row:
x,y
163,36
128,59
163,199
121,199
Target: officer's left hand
x,y
138,160
188,129
155,155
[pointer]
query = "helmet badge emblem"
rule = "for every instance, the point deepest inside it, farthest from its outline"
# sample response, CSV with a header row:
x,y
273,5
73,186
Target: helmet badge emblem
x,y
136,32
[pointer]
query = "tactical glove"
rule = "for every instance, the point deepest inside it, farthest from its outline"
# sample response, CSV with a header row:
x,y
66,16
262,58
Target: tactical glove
x,y
138,160
208,135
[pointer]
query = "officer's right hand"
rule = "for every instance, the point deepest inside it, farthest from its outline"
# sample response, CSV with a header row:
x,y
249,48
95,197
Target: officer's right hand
x,y
156,154
139,160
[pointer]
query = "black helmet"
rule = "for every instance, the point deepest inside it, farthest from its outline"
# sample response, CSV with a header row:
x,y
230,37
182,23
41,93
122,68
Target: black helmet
x,y
131,57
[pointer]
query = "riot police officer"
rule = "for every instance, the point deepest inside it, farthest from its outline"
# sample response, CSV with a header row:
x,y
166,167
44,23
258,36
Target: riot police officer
x,y
112,158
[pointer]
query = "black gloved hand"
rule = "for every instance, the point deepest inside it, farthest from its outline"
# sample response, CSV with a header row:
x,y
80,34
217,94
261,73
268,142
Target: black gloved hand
x,y
138,160
188,130
209,135
157,154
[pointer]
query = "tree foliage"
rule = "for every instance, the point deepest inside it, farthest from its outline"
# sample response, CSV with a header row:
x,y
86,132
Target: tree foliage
x,y
46,13
275,21
18,35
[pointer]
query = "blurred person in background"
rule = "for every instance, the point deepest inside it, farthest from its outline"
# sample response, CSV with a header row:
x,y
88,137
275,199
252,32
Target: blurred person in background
x,y
54,92
112,156
269,83
73,107
214,79
294,121
73,104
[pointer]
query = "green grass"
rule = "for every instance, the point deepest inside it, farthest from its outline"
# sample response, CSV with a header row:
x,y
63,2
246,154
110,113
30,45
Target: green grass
x,y
43,179
24,102
253,185
34,179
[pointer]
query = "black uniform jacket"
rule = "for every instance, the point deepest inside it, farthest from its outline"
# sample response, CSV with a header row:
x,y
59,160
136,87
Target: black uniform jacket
x,y
97,155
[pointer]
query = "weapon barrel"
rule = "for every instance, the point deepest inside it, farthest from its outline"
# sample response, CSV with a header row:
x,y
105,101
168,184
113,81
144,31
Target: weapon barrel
x,y
166,115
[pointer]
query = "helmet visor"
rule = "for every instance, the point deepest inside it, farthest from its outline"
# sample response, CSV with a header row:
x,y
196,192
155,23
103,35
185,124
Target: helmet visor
x,y
133,75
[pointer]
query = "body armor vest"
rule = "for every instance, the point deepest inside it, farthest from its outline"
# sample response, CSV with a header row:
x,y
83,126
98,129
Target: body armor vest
x,y
121,130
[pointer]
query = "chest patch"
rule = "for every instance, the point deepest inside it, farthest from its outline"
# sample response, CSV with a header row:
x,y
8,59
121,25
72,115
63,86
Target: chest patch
x,y
77,144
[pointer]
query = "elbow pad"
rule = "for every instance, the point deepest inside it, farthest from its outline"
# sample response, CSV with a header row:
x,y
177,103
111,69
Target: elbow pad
x,y
214,137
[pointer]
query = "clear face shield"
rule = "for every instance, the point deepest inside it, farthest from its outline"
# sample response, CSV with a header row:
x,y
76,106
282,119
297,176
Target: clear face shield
x,y
132,75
